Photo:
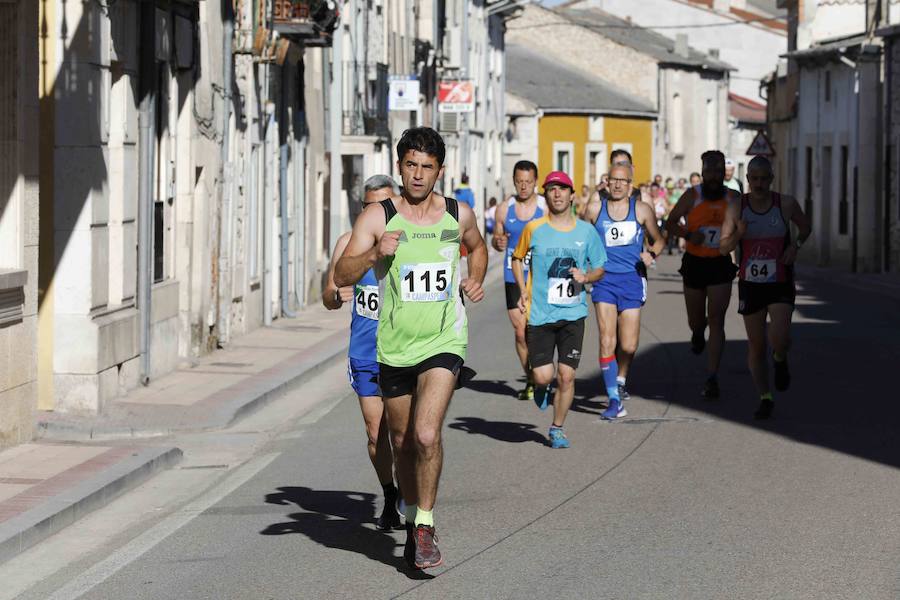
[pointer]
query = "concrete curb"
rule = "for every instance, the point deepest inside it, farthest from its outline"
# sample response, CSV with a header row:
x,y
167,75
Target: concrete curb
x,y
248,396
47,518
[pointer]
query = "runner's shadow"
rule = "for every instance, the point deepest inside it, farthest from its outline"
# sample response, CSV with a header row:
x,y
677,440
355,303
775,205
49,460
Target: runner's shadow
x,y
338,519
504,431
487,386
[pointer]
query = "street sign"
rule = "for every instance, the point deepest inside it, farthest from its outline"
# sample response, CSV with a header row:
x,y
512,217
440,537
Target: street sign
x,y
456,95
761,145
403,92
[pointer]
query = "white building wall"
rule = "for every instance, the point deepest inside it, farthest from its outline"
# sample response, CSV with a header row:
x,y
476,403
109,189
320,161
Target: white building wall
x,y
752,49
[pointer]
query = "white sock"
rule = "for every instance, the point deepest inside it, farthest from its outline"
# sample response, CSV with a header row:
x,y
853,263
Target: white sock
x,y
620,380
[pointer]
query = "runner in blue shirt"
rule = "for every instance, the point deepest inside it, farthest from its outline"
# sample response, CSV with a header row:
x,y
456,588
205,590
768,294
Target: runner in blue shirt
x,y
510,219
621,220
565,254
362,367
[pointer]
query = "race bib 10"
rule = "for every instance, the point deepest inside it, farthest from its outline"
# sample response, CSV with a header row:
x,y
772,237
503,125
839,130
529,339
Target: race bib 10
x,y
760,270
620,233
366,303
563,291
425,282
711,236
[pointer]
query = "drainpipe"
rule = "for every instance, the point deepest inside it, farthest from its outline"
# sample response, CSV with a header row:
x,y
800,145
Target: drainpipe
x,y
335,118
300,216
283,131
268,196
223,314
147,119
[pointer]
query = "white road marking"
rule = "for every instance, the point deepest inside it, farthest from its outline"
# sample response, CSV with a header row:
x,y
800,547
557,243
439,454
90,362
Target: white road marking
x,y
152,537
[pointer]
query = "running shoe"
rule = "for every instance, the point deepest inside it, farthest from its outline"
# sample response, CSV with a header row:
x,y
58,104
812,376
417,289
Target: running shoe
x,y
542,402
409,550
389,517
698,342
782,375
427,554
400,504
614,411
558,438
710,389
623,393
527,393
765,409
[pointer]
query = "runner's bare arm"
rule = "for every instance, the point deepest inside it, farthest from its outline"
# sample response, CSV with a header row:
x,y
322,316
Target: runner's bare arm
x,y
681,209
732,229
498,239
646,216
362,250
791,208
592,210
334,297
477,258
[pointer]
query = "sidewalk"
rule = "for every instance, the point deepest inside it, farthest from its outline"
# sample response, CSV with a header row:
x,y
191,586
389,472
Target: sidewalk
x,y
46,487
49,484
886,284
219,388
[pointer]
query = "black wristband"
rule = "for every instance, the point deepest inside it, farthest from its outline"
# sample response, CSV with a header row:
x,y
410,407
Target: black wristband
x,y
652,253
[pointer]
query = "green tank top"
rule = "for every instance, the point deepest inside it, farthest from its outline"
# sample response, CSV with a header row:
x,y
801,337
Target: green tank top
x,y
422,312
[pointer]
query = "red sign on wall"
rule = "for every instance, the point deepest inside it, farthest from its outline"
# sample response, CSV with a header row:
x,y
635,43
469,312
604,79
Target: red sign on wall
x,y
456,95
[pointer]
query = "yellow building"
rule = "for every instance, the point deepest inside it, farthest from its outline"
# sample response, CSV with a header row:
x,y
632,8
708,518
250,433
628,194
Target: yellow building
x,y
570,121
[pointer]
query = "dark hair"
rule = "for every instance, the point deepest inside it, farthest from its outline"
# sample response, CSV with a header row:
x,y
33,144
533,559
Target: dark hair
x,y
761,162
422,139
464,178
525,165
695,174
620,152
712,156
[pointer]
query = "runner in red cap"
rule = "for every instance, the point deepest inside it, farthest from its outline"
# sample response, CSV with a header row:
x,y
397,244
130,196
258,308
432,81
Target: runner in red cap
x,y
565,254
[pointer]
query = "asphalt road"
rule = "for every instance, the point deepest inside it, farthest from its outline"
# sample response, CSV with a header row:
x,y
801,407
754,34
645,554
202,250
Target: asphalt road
x,y
683,499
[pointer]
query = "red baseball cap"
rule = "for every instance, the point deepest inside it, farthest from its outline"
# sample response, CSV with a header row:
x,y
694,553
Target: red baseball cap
x,y
558,177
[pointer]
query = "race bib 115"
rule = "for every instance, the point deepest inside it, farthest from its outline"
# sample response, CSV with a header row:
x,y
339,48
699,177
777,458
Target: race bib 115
x,y
425,282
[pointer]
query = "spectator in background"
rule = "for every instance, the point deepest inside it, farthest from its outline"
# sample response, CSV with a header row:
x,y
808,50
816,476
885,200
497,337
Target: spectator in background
x,y
464,193
580,202
695,179
489,213
731,181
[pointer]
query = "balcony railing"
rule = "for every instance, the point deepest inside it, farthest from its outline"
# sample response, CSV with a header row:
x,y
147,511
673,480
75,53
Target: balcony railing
x,y
309,20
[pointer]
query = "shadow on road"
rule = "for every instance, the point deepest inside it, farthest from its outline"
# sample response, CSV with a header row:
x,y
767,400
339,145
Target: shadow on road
x,y
491,386
503,431
339,519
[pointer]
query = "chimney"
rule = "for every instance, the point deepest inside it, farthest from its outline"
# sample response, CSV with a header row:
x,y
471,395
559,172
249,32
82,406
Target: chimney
x,y
681,44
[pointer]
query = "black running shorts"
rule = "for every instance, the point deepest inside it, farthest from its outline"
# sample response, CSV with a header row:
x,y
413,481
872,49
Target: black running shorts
x,y
512,296
401,381
699,272
565,337
754,297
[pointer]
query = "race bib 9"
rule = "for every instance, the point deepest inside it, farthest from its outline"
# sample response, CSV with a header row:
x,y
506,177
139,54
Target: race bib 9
x,y
760,270
620,233
366,303
563,291
711,236
425,282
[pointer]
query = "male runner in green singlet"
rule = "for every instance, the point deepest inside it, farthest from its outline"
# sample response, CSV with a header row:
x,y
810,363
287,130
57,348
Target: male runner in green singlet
x,y
413,243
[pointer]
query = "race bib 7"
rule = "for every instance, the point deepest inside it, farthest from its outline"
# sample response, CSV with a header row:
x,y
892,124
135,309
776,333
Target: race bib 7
x,y
366,303
711,236
426,282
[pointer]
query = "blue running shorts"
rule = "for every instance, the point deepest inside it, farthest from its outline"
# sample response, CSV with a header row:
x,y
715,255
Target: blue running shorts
x,y
624,290
363,376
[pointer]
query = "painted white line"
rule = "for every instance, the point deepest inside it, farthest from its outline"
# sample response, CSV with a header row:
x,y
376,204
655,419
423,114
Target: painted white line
x,y
150,538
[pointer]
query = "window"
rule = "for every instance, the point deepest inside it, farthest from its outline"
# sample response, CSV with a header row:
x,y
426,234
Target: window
x,y
843,205
563,153
807,208
596,163
255,200
676,125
